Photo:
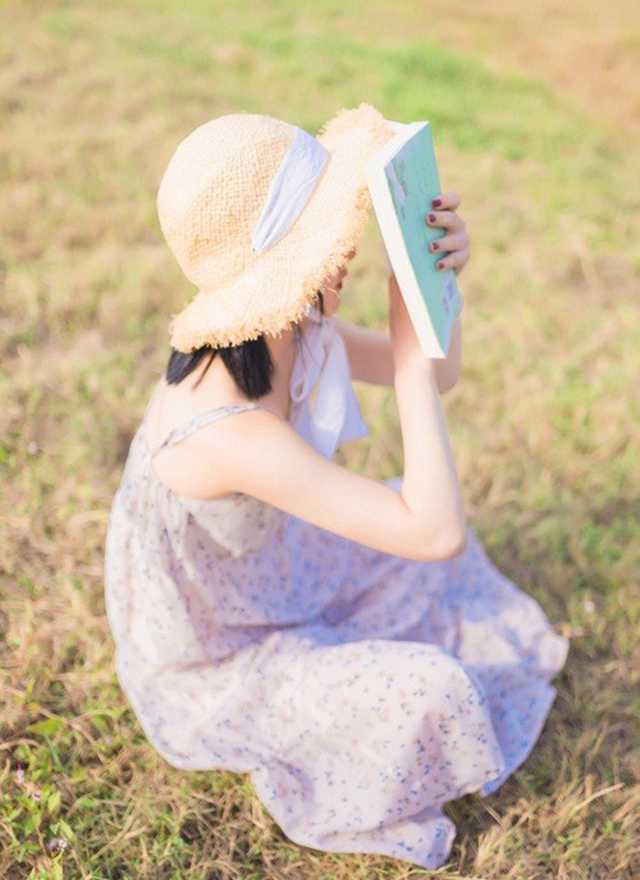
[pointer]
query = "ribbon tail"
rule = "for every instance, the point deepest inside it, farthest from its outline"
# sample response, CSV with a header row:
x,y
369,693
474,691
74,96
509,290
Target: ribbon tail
x,y
337,412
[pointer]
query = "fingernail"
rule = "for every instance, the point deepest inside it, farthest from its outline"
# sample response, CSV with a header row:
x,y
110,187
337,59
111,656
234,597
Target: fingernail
x,y
432,218
435,245
440,266
436,203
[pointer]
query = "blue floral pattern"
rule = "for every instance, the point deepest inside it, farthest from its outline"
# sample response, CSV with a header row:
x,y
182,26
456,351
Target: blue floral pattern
x,y
360,690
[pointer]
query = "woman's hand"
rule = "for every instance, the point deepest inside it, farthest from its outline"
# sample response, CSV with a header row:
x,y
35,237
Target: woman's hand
x,y
455,244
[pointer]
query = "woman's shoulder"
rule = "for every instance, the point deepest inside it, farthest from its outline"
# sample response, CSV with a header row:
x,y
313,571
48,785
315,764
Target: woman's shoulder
x,y
194,457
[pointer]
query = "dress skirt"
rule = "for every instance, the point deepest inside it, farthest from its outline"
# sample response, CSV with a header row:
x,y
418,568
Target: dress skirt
x,y
419,683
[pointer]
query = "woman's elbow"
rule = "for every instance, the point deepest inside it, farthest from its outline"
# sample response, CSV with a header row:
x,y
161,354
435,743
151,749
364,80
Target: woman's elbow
x,y
446,547
455,545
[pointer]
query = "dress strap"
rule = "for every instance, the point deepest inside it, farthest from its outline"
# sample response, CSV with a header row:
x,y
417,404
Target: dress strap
x,y
200,420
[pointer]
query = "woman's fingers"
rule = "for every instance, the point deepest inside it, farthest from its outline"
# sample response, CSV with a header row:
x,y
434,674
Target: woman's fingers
x,y
456,242
448,200
455,246
443,209
455,260
446,219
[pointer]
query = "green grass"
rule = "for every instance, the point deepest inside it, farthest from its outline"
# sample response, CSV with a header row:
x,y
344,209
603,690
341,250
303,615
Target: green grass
x,y
543,422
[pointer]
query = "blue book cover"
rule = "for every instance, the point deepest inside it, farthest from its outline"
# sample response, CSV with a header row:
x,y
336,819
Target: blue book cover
x,y
403,179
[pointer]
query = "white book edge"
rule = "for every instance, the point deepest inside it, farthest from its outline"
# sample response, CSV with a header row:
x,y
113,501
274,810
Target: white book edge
x,y
391,232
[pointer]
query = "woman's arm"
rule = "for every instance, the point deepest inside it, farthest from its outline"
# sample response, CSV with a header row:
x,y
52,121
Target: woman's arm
x,y
369,351
425,520
371,356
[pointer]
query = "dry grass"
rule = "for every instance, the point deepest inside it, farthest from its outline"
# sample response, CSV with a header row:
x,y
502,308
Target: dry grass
x,y
536,110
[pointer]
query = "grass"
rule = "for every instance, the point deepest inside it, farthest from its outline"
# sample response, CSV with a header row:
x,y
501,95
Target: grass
x,y
538,131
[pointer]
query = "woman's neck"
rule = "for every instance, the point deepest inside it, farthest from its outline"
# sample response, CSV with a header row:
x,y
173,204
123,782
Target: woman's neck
x,y
213,385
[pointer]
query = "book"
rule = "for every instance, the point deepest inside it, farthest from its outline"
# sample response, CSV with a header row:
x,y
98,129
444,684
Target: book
x,y
403,179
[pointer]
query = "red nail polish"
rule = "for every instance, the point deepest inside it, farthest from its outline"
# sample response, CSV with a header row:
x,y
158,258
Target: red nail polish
x,y
432,218
435,246
436,203
440,266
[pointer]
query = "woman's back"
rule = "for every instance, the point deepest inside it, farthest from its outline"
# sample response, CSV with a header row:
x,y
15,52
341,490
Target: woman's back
x,y
248,565
229,569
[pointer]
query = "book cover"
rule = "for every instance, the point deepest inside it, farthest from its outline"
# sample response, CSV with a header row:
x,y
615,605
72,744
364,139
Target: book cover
x,y
403,179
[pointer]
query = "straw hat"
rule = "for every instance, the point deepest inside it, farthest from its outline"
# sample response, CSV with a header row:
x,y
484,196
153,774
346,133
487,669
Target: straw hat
x,y
212,196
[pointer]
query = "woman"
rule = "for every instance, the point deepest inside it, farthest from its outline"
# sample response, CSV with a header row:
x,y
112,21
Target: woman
x,y
345,641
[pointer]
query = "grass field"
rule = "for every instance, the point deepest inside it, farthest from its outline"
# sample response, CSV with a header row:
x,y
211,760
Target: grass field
x,y
536,112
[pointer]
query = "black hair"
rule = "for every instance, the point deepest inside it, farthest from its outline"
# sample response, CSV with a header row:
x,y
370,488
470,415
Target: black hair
x,y
249,364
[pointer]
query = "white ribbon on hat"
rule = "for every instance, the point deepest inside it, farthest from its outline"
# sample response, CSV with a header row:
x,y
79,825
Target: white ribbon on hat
x,y
303,165
322,365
